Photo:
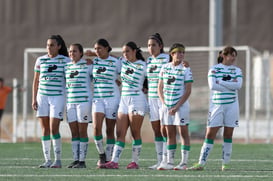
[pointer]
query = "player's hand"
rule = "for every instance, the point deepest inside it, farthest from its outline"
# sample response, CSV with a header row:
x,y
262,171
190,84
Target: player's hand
x,y
89,61
35,105
89,53
185,63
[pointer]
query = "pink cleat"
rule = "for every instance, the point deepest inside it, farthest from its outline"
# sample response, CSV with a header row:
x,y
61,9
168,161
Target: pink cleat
x,y
111,165
132,165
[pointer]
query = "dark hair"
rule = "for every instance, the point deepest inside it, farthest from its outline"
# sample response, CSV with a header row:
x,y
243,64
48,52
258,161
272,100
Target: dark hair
x,y
220,58
1,79
133,46
226,51
104,43
79,47
159,40
174,46
60,41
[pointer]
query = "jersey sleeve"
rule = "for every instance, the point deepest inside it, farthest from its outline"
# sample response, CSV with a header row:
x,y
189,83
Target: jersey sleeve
x,y
231,84
188,76
213,82
37,65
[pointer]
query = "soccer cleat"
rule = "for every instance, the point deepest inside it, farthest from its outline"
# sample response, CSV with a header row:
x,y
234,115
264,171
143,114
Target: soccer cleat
x,y
111,165
225,167
73,164
80,165
102,160
154,167
165,166
132,165
182,166
45,164
56,164
197,166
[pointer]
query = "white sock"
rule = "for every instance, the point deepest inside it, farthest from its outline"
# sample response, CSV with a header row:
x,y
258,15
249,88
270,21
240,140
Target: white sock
x,y
117,151
159,150
76,149
83,151
136,149
170,156
57,146
99,144
205,151
227,150
109,151
46,146
184,156
164,156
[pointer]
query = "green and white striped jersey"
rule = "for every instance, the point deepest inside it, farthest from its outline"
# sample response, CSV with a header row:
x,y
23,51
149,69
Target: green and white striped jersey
x,y
78,82
174,80
221,81
132,77
105,74
51,80
153,69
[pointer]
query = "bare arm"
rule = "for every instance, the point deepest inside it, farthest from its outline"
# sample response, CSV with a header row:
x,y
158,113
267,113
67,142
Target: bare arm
x,y
183,99
35,85
160,90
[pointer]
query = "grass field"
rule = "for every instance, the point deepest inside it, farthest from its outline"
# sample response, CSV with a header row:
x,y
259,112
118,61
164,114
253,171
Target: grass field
x,y
249,162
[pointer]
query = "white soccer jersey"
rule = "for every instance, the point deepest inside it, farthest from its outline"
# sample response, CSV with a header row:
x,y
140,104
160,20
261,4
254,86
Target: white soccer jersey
x,y
153,68
132,77
221,82
78,82
105,74
51,80
174,79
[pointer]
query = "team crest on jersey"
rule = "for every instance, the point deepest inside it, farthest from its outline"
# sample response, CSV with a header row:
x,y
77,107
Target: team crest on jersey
x,y
129,71
111,63
73,74
171,79
153,68
100,70
139,66
51,68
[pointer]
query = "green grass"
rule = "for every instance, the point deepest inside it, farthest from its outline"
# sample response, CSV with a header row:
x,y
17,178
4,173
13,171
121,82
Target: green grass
x,y
249,162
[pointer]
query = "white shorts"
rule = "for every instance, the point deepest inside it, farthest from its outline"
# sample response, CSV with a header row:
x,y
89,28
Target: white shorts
x,y
223,115
50,106
108,106
80,112
133,104
180,118
155,106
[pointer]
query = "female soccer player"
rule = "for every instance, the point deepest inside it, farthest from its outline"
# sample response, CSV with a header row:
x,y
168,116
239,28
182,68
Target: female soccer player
x,y
106,70
154,63
132,107
48,97
174,89
224,79
79,96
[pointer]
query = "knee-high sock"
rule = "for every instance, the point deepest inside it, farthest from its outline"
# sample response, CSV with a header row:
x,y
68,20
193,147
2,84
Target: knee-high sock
x,y
118,148
170,153
205,151
46,146
137,145
75,148
227,150
159,148
110,143
57,146
99,144
83,148
185,151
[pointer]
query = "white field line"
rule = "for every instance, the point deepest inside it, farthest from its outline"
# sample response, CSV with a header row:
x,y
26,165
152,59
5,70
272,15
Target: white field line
x,y
129,159
150,175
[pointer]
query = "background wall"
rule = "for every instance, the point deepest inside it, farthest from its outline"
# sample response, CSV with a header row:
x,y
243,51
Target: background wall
x,y
28,23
